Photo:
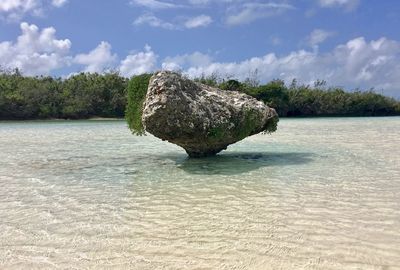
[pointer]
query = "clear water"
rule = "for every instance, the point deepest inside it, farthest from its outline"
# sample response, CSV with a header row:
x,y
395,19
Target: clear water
x,y
318,194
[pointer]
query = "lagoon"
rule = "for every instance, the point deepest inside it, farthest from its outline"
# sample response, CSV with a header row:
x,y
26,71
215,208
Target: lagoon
x,y
320,193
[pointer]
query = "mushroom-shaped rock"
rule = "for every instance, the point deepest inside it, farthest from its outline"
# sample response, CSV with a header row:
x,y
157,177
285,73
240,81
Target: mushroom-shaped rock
x,y
202,119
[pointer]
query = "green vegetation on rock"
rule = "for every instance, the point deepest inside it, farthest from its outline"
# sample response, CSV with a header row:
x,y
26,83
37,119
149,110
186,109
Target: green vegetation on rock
x,y
271,126
248,124
137,90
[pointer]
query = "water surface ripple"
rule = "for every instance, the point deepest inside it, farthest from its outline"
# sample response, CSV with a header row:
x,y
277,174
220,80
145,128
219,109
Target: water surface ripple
x,y
318,194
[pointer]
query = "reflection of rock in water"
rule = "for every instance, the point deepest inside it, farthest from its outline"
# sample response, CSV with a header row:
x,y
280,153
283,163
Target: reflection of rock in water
x,y
236,163
201,119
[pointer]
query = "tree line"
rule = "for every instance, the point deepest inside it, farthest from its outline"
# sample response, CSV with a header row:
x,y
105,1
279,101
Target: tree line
x,y
86,95
80,96
306,100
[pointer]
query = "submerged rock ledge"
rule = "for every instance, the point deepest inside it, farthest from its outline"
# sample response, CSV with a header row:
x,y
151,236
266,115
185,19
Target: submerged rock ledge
x,y
201,119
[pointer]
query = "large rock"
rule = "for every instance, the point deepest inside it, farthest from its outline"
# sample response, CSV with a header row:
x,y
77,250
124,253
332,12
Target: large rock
x,y
202,119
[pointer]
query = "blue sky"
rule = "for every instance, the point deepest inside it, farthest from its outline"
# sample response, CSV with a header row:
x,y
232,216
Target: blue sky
x,y
349,43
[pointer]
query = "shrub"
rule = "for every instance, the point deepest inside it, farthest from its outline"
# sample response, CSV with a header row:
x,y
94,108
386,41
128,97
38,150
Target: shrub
x,y
137,90
232,85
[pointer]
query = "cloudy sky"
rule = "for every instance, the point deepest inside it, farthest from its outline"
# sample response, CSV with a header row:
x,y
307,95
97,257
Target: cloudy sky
x,y
349,43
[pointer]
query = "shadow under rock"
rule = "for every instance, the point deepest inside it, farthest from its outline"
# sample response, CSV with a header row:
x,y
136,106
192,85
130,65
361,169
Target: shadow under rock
x,y
240,162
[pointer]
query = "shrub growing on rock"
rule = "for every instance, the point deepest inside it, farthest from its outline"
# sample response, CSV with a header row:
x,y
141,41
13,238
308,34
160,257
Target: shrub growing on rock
x,y
137,90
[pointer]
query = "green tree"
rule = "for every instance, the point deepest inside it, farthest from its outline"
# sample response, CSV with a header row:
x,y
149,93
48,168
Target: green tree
x,y
232,85
274,94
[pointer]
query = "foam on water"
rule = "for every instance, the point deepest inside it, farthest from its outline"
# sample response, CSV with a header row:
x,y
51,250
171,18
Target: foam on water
x,y
318,194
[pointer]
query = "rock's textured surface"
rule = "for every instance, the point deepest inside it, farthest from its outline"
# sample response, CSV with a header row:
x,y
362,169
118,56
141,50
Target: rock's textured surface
x,y
201,119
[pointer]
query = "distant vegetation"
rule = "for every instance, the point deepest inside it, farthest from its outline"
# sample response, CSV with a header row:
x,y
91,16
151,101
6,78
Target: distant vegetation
x,y
80,96
305,100
88,95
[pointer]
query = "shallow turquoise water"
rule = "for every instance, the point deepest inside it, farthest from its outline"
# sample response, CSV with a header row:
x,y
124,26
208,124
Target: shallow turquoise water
x,y
318,194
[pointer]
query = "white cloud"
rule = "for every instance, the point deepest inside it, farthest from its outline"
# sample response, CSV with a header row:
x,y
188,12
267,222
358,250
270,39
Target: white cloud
x,y
250,12
181,62
318,36
357,63
10,5
39,52
58,3
189,23
199,2
237,12
154,4
199,21
153,21
35,52
170,4
15,10
139,63
97,60
347,4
